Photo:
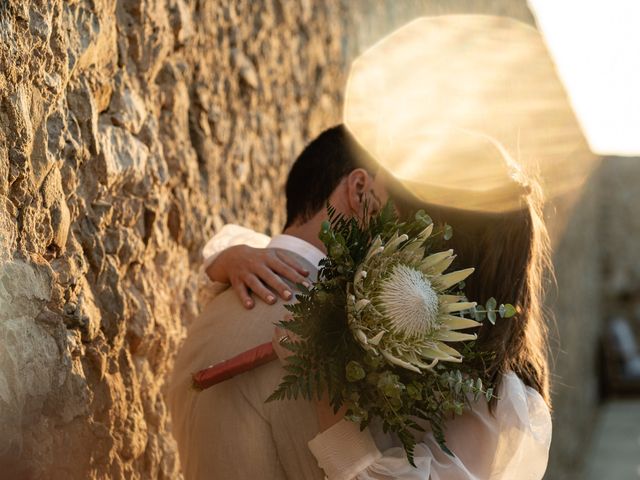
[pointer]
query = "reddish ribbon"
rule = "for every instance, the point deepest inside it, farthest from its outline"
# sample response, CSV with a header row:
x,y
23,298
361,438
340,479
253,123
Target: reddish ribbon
x,y
227,369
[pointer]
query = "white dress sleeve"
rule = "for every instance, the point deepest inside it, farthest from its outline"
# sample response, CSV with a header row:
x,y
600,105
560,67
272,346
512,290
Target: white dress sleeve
x,y
511,443
228,236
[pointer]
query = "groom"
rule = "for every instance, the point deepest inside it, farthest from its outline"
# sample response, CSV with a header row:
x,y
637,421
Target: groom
x,y
228,431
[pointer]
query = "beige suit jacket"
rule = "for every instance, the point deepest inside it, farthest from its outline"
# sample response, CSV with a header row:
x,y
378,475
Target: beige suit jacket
x,y
228,431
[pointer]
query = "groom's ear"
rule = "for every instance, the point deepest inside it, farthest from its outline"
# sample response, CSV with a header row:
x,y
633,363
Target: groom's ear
x,y
357,185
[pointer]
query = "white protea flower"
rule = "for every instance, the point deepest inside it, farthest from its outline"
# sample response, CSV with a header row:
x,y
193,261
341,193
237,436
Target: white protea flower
x,y
400,307
408,299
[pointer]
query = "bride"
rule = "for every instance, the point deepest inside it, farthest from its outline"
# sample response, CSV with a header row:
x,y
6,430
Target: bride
x,y
508,438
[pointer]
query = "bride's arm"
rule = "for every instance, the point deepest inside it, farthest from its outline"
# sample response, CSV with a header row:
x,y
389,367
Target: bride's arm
x,y
511,443
237,255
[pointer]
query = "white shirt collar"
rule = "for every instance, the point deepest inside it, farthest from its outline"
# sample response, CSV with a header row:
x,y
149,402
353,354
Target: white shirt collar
x,y
309,252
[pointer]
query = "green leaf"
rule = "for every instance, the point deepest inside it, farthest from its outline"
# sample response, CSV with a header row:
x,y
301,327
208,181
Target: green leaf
x,y
478,315
491,304
491,310
448,232
489,394
414,391
458,387
354,371
509,310
422,217
478,384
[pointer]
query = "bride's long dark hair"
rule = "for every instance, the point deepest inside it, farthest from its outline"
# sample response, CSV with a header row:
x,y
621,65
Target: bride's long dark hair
x,y
510,252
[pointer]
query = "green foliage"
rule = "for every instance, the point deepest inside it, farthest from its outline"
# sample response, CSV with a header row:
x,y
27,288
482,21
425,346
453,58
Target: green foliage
x,y
448,232
328,358
504,311
507,311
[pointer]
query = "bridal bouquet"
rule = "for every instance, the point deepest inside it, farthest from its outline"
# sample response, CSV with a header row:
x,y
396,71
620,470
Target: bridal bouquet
x,y
374,332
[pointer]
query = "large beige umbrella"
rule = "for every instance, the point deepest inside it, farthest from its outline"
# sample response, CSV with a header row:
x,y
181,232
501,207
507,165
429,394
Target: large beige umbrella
x,y
451,105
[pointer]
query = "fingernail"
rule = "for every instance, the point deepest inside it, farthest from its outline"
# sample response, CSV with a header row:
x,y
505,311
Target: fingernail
x,y
306,272
248,304
271,299
306,284
287,294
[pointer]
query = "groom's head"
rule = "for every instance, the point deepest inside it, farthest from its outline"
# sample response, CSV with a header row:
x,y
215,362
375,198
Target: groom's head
x,y
333,168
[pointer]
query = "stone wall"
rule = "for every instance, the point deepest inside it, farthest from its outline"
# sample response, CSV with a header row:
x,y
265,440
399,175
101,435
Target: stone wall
x,y
130,131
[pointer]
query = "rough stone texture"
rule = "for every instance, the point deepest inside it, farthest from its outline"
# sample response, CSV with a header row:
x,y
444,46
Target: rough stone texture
x,y
130,131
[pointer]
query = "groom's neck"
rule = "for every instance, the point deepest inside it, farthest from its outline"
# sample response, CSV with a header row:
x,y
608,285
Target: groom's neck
x,y
309,231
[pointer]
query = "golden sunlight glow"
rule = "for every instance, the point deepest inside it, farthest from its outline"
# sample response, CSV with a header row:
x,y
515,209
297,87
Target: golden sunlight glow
x,y
439,101
596,47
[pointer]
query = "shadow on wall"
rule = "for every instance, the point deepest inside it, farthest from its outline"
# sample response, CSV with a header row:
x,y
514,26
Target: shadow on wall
x,y
576,322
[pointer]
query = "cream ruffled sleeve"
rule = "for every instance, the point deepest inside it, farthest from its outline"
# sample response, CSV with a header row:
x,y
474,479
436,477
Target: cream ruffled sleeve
x,y
512,444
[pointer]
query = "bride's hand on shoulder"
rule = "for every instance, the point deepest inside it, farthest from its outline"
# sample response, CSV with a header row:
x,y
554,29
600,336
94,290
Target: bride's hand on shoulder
x,y
257,270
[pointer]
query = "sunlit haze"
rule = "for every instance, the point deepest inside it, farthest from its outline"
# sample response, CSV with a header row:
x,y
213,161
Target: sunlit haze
x,y
433,100
596,47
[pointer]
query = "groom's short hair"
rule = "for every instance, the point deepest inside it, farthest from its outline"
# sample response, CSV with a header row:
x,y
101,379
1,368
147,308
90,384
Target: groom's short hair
x,y
318,170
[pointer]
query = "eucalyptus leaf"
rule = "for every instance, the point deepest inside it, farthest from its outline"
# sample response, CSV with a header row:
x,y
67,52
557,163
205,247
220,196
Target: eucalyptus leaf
x,y
489,394
509,311
422,217
448,232
491,304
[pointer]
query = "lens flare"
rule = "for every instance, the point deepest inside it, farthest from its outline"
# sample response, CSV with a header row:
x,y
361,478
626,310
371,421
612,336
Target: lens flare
x,y
462,109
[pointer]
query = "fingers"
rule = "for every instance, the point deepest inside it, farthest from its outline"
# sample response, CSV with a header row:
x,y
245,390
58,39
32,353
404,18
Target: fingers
x,y
267,277
257,287
243,294
295,266
263,272
287,268
257,283
285,271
